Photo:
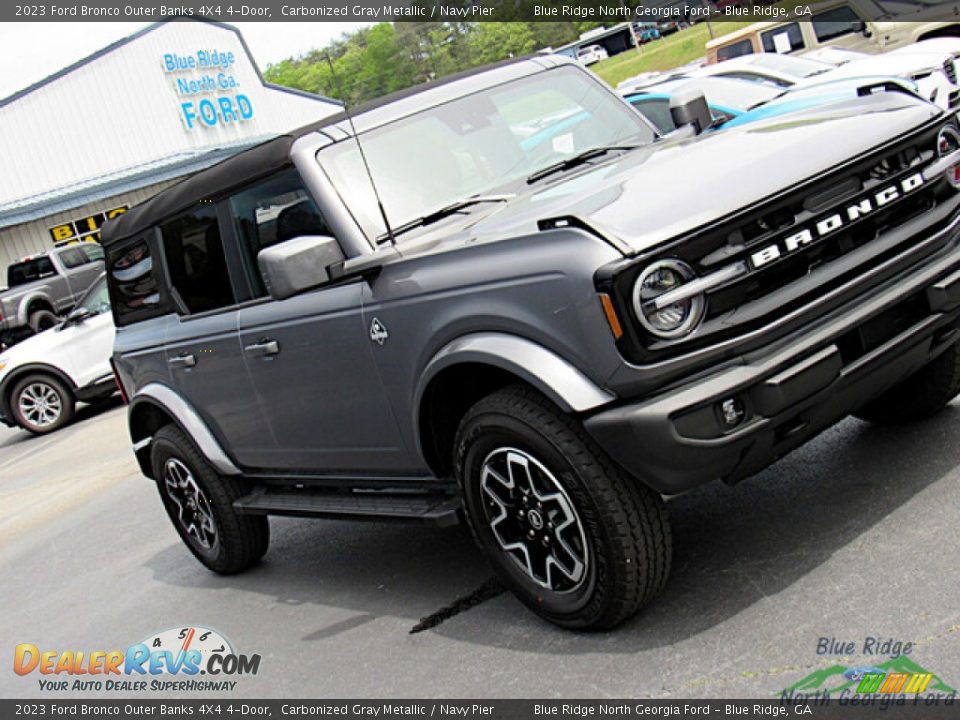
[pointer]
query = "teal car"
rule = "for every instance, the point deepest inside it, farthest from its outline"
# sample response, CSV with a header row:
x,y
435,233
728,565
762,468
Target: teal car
x,y
735,102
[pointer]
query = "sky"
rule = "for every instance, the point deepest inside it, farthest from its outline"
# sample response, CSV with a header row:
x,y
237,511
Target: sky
x,y
31,51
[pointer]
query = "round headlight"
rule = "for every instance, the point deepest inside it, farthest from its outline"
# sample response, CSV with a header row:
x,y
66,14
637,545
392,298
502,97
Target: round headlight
x,y
948,141
672,320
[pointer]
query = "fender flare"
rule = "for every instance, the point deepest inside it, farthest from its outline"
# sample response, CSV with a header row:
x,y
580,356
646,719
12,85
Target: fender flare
x,y
22,315
187,419
560,381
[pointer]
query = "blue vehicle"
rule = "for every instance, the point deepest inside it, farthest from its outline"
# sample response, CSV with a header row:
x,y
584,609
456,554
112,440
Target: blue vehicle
x,y
735,102
646,32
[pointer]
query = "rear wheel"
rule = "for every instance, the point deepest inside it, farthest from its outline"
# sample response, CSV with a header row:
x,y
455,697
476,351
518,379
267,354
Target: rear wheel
x,y
41,404
41,320
580,543
199,502
921,395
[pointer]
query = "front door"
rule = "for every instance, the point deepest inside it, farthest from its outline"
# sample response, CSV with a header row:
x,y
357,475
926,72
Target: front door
x,y
309,357
203,350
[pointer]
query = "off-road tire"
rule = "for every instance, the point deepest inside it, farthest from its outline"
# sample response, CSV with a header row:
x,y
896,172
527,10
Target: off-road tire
x,y
41,320
923,394
36,380
241,540
624,522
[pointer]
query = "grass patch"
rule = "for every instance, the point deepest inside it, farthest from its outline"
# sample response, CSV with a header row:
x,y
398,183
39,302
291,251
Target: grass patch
x,y
664,54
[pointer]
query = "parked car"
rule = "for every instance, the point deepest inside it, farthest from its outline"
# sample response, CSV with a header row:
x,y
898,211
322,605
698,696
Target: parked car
x,y
668,27
589,54
44,286
44,377
735,102
727,98
545,337
932,74
871,26
646,32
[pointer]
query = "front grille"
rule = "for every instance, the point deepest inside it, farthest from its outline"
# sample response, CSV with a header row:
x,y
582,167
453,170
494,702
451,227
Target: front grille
x,y
781,277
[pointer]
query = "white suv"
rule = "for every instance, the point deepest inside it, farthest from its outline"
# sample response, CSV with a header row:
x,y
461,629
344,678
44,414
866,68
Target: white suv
x,y
45,376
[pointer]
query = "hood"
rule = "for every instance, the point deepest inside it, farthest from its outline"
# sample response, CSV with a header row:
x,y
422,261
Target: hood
x,y
903,64
653,194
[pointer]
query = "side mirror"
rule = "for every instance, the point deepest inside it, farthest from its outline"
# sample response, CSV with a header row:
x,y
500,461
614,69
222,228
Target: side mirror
x,y
300,264
688,106
859,26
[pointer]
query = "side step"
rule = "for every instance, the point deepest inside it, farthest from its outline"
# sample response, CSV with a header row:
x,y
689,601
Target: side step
x,y
435,509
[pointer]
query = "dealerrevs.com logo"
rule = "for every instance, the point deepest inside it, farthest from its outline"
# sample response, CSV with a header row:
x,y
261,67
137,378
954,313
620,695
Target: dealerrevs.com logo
x,y
172,660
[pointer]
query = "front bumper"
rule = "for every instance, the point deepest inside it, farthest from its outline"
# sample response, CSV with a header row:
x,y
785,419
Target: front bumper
x,y
790,391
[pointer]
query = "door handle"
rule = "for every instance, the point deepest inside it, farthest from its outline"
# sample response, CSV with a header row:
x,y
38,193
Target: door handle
x,y
182,361
262,349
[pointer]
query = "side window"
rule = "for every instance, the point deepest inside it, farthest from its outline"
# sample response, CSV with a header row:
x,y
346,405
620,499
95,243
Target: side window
x,y
744,47
92,251
784,39
72,257
198,268
834,23
271,212
132,278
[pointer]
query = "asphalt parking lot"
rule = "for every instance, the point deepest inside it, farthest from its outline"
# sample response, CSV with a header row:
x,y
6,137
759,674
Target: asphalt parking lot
x,y
851,537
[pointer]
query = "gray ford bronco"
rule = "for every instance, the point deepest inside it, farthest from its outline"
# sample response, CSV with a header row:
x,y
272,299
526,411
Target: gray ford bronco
x,y
512,302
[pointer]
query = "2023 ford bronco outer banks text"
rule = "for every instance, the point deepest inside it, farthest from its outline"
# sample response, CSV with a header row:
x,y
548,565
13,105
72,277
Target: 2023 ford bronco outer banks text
x,y
552,317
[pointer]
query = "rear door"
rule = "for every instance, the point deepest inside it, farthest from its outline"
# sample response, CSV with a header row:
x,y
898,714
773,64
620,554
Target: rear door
x,y
202,348
310,356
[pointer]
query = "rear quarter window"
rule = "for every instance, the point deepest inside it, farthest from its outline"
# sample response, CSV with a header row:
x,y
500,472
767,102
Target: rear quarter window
x,y
133,279
784,39
728,52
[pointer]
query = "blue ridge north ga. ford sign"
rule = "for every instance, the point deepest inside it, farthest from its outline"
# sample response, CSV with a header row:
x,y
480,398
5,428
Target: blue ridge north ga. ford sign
x,y
207,88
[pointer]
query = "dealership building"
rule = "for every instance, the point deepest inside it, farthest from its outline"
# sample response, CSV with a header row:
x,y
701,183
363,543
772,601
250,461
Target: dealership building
x,y
113,129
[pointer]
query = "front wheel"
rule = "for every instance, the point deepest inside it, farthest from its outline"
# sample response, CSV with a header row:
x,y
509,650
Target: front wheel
x,y
199,502
580,543
923,394
41,404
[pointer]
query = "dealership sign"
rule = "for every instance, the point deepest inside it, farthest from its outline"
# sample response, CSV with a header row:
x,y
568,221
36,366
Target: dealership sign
x,y
207,88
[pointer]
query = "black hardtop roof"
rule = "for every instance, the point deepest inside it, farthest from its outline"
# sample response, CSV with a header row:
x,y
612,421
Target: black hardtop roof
x,y
274,155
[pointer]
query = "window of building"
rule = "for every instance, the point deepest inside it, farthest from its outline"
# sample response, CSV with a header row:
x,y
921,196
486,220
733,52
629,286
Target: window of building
x,y
271,212
834,23
196,261
133,282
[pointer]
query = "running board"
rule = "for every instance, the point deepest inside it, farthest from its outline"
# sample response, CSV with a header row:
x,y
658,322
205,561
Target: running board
x,y
440,510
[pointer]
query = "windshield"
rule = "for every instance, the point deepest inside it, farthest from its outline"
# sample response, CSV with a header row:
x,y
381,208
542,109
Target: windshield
x,y
797,67
477,144
97,299
726,92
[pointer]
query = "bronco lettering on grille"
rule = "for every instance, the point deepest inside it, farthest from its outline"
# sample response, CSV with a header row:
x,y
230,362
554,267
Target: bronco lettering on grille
x,y
851,213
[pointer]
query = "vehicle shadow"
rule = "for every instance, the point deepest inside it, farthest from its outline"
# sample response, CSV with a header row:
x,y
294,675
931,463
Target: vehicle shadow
x,y
11,437
733,548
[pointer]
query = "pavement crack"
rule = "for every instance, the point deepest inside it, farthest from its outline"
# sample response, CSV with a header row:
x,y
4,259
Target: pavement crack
x,y
489,590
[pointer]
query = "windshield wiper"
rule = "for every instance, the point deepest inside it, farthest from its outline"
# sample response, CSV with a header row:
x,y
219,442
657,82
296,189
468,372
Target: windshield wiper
x,y
576,160
448,210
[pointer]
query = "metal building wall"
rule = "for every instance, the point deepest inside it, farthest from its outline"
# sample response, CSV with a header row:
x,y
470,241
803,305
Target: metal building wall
x,y
123,110
33,237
